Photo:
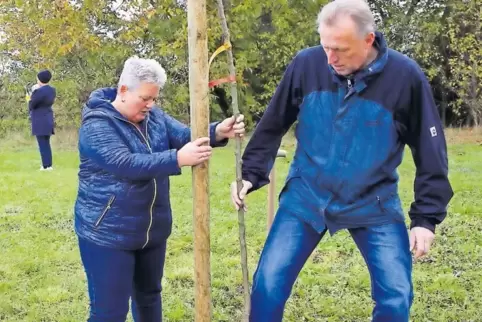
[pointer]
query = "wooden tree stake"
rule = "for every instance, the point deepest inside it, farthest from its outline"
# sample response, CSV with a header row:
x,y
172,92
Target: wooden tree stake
x,y
199,104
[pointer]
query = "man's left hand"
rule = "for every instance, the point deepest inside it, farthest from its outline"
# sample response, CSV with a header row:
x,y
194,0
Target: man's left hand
x,y
420,241
229,128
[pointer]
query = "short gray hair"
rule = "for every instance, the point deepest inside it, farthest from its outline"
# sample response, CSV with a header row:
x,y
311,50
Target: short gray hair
x,y
358,10
140,70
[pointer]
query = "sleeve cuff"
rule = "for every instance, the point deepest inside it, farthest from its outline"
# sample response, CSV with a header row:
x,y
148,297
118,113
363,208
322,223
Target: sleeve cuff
x,y
423,222
212,136
254,181
173,165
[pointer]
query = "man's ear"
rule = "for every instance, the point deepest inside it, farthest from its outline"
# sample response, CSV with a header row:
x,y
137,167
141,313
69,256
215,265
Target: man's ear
x,y
370,38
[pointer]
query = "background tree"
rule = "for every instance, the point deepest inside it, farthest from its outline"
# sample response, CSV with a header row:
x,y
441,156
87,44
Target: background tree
x,y
86,42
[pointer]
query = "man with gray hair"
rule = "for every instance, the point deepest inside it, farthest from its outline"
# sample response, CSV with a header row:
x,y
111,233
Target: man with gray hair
x,y
357,103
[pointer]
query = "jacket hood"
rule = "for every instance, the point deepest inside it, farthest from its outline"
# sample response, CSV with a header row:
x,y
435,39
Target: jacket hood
x,y
101,100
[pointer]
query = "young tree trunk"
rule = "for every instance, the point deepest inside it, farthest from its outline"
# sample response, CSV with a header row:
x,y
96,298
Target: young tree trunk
x,y
241,224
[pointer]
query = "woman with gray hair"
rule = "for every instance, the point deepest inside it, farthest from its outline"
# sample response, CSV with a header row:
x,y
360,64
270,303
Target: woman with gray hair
x,y
128,148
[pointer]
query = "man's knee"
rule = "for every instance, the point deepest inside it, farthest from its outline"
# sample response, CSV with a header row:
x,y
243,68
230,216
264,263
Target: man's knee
x,y
270,287
267,300
394,304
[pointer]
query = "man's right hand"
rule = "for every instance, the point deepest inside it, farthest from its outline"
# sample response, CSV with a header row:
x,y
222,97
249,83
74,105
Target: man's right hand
x,y
238,200
194,153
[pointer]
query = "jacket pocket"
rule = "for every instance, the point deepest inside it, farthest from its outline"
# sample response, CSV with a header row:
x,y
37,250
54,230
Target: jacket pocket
x,y
388,204
106,210
379,204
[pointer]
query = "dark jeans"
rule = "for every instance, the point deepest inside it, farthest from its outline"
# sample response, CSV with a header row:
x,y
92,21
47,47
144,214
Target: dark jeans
x,y
114,276
45,150
290,242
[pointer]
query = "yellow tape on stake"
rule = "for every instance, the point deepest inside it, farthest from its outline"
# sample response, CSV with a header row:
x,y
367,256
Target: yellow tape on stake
x,y
218,51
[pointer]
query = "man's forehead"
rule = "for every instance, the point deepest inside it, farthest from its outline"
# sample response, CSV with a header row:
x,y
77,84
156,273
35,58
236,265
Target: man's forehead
x,y
343,27
333,40
337,37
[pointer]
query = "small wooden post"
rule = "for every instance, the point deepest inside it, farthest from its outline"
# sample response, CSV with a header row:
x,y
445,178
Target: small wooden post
x,y
199,104
272,190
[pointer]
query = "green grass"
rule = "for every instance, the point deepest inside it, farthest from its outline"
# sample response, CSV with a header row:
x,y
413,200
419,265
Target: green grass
x,y
41,277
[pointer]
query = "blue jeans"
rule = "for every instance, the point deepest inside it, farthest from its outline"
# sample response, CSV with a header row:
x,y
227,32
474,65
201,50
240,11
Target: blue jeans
x,y
45,150
114,275
290,242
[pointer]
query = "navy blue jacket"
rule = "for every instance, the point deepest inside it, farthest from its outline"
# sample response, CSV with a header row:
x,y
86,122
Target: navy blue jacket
x,y
351,135
123,194
40,110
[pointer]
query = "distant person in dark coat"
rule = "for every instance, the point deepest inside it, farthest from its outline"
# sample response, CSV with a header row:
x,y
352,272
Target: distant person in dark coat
x,y
42,116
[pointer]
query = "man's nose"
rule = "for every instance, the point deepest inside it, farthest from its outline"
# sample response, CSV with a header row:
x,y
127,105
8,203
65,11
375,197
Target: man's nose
x,y
332,57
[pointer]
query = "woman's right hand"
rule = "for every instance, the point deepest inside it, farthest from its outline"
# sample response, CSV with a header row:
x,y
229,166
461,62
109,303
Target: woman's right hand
x,y
194,153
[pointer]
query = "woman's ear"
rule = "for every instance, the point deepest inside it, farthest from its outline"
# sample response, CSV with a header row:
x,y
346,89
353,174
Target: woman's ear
x,y
123,89
122,92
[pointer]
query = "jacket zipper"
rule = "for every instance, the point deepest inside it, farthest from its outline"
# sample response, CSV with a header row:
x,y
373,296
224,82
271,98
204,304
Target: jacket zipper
x,y
106,209
155,182
380,203
350,89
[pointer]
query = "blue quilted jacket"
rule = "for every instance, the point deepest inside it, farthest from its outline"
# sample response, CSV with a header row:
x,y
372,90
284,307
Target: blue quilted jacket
x,y
123,193
351,133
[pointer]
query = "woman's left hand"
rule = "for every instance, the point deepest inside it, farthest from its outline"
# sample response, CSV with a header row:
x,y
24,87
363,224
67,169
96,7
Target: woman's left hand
x,y
228,128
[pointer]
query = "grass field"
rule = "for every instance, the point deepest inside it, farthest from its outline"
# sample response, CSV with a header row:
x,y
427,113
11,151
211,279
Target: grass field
x,y
41,277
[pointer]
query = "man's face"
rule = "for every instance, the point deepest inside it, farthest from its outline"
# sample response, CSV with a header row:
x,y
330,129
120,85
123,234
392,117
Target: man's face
x,y
139,101
347,51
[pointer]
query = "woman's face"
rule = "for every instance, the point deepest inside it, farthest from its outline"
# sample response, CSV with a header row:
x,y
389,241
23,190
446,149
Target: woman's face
x,y
138,102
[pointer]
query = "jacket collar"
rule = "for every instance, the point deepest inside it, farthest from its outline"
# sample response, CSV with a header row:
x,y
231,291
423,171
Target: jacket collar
x,y
361,76
101,100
